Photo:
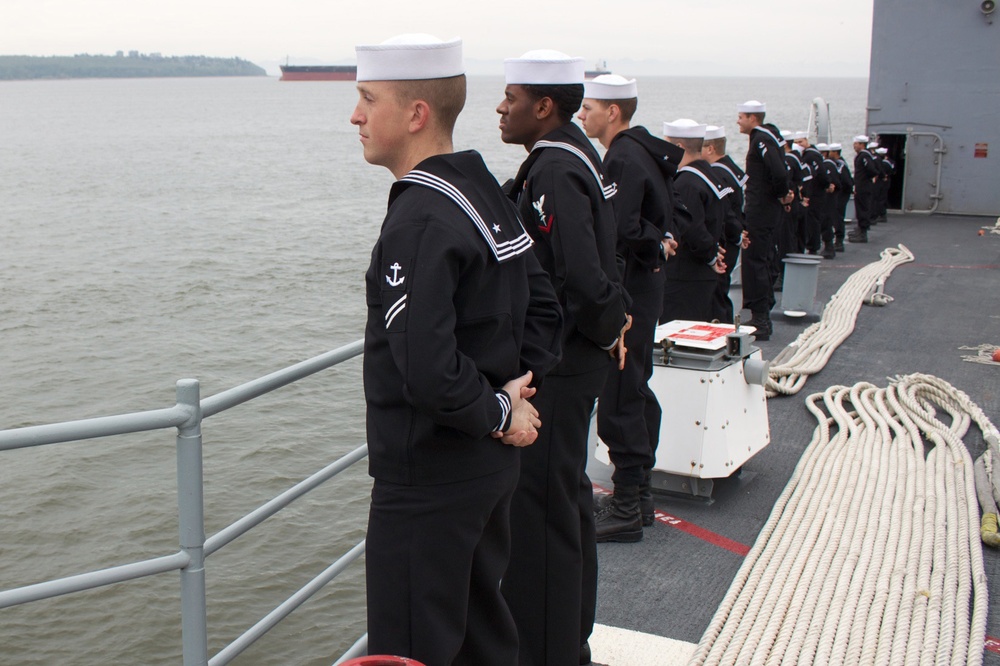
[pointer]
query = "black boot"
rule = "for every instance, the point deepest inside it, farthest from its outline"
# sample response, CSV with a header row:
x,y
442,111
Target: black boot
x,y
859,236
828,251
647,508
762,322
620,520
838,245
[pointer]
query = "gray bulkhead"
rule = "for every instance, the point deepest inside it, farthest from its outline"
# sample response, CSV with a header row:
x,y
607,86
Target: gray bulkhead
x,y
934,102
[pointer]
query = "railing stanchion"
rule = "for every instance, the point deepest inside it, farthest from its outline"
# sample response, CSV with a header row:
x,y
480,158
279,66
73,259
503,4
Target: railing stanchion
x,y
191,507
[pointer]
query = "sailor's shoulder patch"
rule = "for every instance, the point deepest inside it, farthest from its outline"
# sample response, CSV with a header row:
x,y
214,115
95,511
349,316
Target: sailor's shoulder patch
x,y
394,272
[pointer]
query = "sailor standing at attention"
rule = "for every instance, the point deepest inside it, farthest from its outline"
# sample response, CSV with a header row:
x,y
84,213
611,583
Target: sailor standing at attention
x,y
734,237
825,199
787,234
692,276
767,192
646,212
565,201
813,191
799,174
865,174
843,196
459,315
886,168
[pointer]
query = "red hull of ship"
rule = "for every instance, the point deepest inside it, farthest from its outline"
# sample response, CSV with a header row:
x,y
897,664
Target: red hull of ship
x,y
318,76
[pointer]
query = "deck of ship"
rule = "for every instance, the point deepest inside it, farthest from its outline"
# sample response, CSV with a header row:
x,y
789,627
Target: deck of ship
x,y
670,584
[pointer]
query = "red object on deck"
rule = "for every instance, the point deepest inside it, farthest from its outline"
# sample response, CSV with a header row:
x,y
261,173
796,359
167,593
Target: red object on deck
x,y
381,660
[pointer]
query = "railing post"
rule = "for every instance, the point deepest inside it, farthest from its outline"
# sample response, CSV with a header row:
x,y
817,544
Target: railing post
x,y
191,520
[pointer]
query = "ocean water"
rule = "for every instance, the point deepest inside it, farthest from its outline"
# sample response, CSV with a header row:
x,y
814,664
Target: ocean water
x,y
152,230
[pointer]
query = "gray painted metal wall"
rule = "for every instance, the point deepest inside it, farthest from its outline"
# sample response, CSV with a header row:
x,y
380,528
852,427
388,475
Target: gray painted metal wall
x,y
934,87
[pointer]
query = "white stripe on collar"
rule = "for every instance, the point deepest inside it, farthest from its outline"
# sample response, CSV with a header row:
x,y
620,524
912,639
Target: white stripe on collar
x,y
608,190
742,181
503,251
777,139
723,193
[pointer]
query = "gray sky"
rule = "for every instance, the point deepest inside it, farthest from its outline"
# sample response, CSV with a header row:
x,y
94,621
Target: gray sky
x,y
668,37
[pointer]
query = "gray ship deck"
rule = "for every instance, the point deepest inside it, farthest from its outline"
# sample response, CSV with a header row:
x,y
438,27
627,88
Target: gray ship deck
x,y
671,583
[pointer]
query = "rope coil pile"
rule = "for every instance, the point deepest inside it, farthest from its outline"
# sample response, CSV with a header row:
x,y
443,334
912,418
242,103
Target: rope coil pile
x,y
811,351
871,554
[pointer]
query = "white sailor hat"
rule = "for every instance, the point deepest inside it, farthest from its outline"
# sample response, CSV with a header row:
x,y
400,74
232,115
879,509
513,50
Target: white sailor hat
x,y
882,151
543,67
872,144
610,86
410,57
836,146
684,128
822,147
801,134
714,132
861,138
751,106
787,135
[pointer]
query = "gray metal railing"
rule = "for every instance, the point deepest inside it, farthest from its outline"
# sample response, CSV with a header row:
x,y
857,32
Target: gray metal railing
x,y
187,416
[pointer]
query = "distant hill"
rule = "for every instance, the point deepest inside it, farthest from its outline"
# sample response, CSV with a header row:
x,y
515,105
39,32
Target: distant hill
x,y
122,65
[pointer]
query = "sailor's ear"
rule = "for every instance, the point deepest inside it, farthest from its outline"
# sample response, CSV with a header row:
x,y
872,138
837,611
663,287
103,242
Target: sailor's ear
x,y
420,114
544,108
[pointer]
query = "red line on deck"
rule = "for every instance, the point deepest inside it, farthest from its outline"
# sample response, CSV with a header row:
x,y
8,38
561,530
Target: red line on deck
x,y
993,644
694,530
703,534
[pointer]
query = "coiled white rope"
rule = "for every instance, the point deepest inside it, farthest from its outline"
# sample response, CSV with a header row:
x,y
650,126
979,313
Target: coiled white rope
x,y
811,351
871,555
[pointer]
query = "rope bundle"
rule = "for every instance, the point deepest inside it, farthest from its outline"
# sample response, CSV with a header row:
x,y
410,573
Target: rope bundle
x,y
995,229
871,554
984,355
811,351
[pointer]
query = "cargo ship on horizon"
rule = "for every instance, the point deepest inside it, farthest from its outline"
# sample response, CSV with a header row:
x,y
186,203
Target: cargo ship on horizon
x,y
318,72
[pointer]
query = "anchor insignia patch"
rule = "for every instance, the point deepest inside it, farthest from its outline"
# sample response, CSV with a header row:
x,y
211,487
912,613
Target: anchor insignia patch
x,y
394,296
396,279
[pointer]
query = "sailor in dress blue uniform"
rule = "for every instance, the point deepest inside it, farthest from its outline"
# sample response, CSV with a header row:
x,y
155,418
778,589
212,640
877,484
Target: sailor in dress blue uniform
x,y
843,196
734,237
768,190
647,213
565,200
459,316
692,277
865,174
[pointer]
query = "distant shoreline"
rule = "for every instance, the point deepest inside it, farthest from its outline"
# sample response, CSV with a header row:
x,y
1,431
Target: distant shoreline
x,y
122,65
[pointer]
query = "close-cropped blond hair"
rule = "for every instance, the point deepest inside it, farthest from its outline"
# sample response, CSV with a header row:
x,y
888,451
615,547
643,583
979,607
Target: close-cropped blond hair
x,y
718,145
446,97
627,107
